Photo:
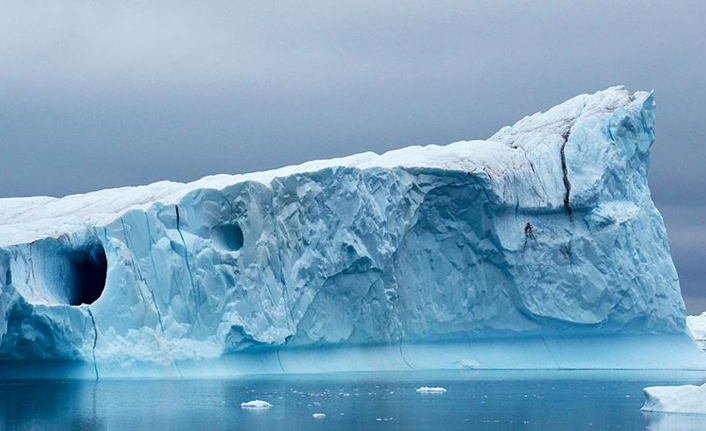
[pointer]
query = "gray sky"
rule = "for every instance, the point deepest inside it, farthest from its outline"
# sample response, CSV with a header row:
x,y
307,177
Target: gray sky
x,y
96,95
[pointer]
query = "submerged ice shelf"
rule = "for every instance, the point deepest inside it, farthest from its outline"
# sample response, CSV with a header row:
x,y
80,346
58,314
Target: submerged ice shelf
x,y
542,239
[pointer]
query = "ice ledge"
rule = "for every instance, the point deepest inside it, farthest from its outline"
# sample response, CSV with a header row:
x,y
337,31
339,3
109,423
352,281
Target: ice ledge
x,y
598,353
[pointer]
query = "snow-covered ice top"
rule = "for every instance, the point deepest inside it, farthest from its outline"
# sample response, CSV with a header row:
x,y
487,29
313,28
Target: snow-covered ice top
x,y
23,220
545,230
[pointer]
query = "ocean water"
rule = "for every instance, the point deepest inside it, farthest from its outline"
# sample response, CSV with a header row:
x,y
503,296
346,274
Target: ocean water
x,y
479,400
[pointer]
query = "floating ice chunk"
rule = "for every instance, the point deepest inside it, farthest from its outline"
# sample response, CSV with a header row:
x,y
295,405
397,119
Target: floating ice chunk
x,y
318,415
687,399
468,364
431,390
256,405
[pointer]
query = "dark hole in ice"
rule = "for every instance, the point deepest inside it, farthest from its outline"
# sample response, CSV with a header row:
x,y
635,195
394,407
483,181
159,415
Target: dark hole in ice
x,y
228,236
89,267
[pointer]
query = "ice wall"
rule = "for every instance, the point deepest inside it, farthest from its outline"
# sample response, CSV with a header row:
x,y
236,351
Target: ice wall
x,y
697,328
545,230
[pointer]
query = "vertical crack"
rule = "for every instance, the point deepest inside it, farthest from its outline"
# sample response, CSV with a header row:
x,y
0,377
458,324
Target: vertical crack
x,y
551,354
8,276
567,183
399,345
134,263
176,366
186,256
95,340
279,360
154,270
288,305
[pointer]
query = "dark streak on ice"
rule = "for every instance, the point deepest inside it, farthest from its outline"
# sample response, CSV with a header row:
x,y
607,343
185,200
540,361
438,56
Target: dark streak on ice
x,y
567,183
186,256
95,340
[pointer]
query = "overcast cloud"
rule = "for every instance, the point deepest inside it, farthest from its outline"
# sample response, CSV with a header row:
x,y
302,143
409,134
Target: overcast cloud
x,y
104,94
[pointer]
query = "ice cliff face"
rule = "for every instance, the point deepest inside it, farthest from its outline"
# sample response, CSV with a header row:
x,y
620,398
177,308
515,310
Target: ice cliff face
x,y
545,229
697,328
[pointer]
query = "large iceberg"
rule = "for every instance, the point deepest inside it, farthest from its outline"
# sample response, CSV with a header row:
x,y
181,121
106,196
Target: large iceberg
x,y
537,248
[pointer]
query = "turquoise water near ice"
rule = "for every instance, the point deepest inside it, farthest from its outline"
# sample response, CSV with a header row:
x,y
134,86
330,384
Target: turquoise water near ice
x,y
480,400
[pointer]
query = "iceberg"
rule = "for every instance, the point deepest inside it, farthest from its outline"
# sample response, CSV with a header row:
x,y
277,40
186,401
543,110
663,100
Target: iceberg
x,y
688,399
539,247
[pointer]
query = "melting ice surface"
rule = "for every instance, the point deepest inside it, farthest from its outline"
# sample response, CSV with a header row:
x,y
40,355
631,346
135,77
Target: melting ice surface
x,y
484,400
538,248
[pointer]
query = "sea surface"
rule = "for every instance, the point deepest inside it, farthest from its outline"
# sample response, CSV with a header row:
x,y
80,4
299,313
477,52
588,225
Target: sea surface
x,y
474,400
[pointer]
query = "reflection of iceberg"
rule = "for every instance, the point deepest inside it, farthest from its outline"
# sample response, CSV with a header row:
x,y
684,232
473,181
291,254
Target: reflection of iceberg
x,y
687,399
538,248
674,422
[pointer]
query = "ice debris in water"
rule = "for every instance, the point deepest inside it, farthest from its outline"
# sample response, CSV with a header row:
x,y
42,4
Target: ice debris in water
x,y
468,364
431,390
256,405
318,415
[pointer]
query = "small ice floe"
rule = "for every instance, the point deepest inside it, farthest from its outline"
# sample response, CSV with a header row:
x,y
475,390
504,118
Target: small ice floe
x,y
256,405
468,364
318,415
431,390
687,399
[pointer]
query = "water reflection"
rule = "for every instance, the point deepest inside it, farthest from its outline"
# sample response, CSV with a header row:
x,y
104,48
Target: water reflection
x,y
352,402
671,422
50,405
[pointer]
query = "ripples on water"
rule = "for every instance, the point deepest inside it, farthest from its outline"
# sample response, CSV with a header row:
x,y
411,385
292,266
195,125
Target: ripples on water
x,y
485,400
